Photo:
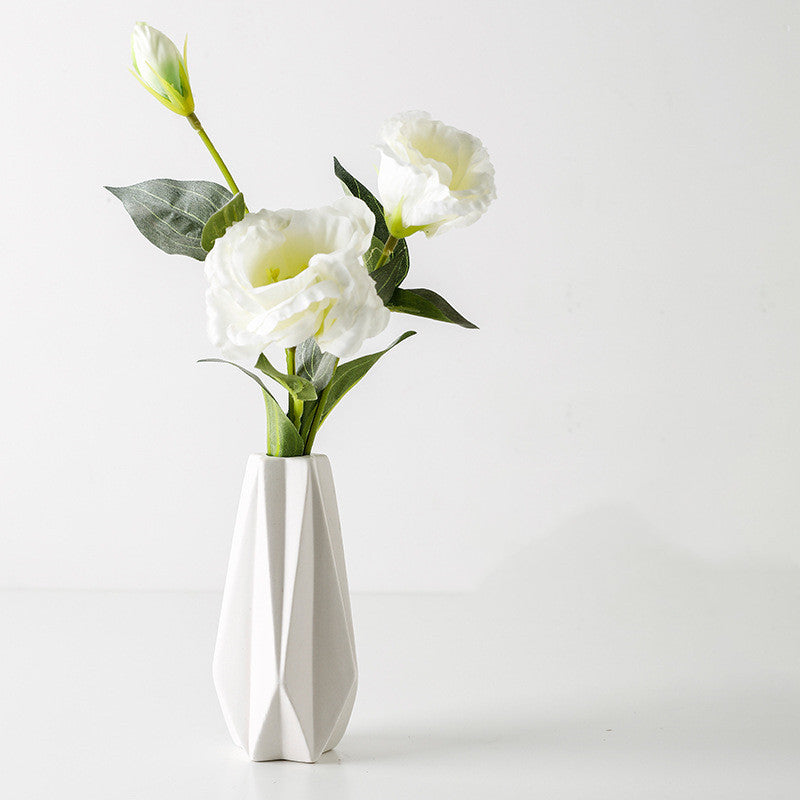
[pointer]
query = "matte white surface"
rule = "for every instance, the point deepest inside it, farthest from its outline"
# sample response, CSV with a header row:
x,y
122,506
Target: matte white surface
x,y
598,665
285,661
636,283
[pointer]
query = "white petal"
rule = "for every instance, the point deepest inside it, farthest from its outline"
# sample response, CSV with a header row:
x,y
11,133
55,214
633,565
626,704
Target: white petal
x,y
155,54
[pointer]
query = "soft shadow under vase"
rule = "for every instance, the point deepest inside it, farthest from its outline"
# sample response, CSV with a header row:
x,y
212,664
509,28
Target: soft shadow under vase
x,y
284,663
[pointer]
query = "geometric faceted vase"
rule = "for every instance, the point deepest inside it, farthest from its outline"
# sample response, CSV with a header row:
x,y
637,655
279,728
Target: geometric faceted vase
x,y
284,663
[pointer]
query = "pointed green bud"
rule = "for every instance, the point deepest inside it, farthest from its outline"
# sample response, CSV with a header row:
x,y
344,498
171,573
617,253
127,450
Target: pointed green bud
x,y
161,69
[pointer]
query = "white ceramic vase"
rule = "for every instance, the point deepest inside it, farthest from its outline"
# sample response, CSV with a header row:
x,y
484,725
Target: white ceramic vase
x,y
285,664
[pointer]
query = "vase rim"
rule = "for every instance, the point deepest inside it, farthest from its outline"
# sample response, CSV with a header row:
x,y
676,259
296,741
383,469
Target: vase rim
x,y
288,458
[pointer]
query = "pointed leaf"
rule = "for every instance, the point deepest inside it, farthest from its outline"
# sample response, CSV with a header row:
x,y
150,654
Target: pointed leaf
x,y
347,375
357,189
282,437
171,214
297,386
220,221
314,365
425,303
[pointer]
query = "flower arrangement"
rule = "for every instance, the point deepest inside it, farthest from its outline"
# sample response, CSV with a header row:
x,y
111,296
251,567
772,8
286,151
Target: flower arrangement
x,y
316,282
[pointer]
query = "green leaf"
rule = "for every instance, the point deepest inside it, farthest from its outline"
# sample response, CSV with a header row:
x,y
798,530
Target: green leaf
x,y
347,375
297,386
172,214
425,303
357,189
314,365
220,221
282,437
389,276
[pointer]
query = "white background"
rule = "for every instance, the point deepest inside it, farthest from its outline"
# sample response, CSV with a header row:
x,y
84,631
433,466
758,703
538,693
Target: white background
x,y
636,285
601,484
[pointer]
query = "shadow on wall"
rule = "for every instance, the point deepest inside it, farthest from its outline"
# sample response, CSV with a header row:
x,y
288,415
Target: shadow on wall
x,y
607,571
605,612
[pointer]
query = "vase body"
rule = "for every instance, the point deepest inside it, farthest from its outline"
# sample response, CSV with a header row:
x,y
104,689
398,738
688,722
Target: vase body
x,y
284,663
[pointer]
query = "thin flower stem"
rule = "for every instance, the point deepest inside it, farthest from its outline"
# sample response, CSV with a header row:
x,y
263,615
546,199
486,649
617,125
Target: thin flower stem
x,y
317,421
195,123
295,405
391,243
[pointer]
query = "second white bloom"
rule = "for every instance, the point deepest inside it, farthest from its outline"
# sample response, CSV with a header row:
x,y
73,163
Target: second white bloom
x,y
280,277
432,177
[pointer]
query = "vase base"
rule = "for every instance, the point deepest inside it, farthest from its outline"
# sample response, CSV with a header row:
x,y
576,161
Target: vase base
x,y
297,760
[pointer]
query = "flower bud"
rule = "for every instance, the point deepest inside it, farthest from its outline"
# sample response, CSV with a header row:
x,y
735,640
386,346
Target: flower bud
x,y
159,67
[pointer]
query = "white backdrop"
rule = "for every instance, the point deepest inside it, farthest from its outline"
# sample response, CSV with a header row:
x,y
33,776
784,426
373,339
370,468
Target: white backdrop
x,y
636,284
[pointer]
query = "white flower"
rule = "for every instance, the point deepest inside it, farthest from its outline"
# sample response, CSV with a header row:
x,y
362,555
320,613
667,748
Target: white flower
x,y
160,68
432,177
280,277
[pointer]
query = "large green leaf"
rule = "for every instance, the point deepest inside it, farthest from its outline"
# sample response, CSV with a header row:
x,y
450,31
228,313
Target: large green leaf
x,y
298,386
282,437
347,375
425,303
172,214
391,274
220,221
314,365
357,189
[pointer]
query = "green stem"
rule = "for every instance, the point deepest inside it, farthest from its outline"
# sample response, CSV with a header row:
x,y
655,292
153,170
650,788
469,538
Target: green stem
x,y
195,123
295,405
317,421
391,243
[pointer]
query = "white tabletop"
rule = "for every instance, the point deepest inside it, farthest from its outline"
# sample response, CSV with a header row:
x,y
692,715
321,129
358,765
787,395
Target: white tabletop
x,y
658,679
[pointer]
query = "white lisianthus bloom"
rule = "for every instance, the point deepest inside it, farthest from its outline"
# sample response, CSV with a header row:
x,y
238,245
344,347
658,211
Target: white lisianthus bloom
x,y
280,277
161,69
432,177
